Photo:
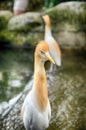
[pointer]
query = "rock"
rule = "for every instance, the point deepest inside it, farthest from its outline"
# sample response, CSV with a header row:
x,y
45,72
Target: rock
x,y
4,17
73,40
26,21
6,14
73,6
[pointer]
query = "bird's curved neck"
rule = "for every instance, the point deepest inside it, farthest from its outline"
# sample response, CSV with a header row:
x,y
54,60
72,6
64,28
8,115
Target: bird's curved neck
x,y
47,31
40,85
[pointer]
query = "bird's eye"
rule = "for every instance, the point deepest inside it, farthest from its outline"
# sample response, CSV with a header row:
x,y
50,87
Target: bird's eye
x,y
42,52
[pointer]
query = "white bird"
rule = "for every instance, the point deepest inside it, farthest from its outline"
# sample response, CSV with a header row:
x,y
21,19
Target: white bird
x,y
36,110
53,45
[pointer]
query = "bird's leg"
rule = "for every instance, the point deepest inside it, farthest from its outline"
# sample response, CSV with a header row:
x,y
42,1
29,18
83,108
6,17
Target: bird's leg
x,y
52,68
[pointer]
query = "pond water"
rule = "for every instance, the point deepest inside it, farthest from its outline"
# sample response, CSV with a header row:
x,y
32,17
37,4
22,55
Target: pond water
x,y
66,85
16,67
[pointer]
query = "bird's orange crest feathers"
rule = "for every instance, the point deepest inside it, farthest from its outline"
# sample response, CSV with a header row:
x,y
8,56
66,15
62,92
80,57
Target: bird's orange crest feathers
x,y
42,46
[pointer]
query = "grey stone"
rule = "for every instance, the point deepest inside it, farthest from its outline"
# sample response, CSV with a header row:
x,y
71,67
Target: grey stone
x,y
24,21
6,14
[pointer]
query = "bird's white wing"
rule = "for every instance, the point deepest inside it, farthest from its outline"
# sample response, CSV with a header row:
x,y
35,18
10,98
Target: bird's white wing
x,y
49,111
54,50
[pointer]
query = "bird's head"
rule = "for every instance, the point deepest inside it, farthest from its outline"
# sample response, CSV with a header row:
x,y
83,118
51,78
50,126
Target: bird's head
x,y
42,52
46,19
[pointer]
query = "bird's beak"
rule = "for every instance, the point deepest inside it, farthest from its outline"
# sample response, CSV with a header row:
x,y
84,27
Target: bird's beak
x,y
49,57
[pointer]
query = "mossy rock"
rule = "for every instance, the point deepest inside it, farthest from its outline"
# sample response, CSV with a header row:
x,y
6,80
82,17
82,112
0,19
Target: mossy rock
x,y
4,18
72,14
6,38
19,38
6,14
25,22
3,23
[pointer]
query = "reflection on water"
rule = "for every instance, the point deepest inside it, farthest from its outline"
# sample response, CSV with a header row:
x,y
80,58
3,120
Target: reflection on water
x,y
15,70
67,86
